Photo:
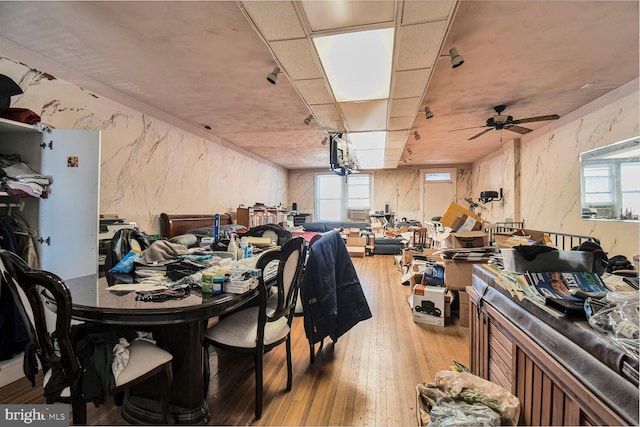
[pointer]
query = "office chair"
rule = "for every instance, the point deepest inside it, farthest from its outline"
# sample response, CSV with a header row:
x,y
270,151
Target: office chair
x,y
259,329
33,290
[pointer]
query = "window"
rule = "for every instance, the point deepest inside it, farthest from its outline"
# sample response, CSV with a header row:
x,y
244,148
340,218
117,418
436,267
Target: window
x,y
358,192
437,176
630,188
329,197
598,184
337,194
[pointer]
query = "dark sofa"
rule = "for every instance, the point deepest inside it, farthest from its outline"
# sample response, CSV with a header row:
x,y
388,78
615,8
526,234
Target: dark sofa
x,y
324,226
381,245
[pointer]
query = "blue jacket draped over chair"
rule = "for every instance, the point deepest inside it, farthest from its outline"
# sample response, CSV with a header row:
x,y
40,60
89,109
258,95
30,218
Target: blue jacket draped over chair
x,y
332,297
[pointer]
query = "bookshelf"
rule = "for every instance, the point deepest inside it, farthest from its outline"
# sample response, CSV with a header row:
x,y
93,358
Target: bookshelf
x,y
260,215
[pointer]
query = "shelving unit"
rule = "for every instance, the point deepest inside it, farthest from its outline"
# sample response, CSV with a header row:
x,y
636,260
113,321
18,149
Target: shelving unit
x,y
260,215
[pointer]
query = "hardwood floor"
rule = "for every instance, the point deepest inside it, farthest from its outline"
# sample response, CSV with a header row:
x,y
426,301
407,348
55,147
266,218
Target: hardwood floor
x,y
367,378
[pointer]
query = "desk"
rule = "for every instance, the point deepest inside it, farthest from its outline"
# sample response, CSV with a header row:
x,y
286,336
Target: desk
x,y
177,326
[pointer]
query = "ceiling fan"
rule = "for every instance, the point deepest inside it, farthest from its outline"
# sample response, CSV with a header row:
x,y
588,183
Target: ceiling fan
x,y
499,122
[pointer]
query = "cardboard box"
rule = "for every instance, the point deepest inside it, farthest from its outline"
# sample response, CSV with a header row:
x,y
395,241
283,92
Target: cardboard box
x,y
460,219
463,319
448,300
466,239
354,232
356,246
521,237
408,254
457,274
464,315
428,305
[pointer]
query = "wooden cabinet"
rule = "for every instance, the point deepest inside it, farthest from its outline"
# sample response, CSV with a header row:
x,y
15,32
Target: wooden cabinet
x,y
504,350
260,215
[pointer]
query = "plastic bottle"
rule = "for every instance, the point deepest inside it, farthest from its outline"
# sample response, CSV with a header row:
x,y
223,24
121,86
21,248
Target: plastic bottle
x,y
216,228
233,247
244,246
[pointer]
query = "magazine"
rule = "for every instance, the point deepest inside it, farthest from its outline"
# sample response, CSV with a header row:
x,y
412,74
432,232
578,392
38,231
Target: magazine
x,y
557,284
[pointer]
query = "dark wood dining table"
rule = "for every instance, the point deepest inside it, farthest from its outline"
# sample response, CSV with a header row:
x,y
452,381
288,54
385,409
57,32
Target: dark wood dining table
x,y
177,326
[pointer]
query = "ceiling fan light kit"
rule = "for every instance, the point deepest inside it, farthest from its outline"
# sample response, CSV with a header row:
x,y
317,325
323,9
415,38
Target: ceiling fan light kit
x,y
500,122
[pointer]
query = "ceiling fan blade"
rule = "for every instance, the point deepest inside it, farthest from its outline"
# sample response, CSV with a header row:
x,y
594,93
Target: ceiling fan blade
x,y
536,119
518,129
480,134
472,127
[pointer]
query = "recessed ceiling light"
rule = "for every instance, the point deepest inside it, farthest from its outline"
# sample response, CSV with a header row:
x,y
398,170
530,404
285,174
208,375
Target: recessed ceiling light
x,y
208,127
587,85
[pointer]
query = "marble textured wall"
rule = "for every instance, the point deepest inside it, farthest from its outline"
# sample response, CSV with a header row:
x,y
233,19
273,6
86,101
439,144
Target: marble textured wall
x,y
549,171
148,166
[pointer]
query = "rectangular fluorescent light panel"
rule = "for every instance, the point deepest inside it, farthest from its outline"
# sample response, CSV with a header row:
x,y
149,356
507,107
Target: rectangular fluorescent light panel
x,y
367,140
358,65
370,159
369,148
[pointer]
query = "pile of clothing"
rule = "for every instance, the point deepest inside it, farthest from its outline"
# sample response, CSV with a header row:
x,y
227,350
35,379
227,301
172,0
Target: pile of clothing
x,y
19,179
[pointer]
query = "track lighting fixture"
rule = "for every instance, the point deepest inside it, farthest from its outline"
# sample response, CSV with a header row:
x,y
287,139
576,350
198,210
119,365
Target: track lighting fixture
x,y
409,151
307,121
324,141
427,113
273,76
456,59
416,135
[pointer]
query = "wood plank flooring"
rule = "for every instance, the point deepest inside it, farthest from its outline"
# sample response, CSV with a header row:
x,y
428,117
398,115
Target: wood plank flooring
x,y
367,378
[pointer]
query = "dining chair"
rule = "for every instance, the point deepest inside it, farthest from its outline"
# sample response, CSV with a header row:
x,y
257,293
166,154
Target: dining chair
x,y
259,329
421,237
44,302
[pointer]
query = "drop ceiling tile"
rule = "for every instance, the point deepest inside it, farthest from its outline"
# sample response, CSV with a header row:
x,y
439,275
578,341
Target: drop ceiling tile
x,y
404,107
365,116
276,20
399,123
398,135
327,112
424,11
393,152
314,91
391,145
369,159
333,15
407,84
419,45
298,59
